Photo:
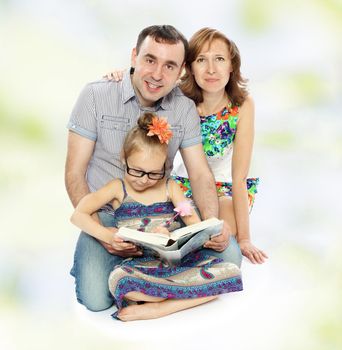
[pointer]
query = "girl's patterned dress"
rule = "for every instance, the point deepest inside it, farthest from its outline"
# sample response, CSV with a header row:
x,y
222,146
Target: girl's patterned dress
x,y
198,275
218,133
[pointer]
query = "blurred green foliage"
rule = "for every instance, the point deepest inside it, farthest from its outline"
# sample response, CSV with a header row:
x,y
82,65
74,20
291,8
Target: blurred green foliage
x,y
27,128
257,15
306,87
278,139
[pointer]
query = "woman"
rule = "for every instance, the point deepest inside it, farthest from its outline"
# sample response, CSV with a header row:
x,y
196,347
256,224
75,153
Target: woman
x,y
213,80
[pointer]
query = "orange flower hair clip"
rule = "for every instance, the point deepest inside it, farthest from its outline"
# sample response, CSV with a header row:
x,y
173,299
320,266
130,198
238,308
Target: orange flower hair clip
x,y
160,128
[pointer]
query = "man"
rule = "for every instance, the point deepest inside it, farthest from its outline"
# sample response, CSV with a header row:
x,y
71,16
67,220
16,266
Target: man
x,y
103,114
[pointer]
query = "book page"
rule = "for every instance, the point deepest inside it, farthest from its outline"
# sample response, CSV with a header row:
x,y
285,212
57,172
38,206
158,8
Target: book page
x,y
148,237
198,240
162,239
191,229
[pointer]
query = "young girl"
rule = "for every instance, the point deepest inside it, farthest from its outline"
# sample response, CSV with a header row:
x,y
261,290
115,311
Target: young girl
x,y
213,81
145,200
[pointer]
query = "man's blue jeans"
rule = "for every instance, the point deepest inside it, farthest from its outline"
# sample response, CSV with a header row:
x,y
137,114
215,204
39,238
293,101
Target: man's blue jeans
x,y
93,264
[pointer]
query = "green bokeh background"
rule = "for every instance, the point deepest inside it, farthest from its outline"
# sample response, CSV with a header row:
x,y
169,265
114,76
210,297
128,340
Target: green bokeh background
x,y
292,55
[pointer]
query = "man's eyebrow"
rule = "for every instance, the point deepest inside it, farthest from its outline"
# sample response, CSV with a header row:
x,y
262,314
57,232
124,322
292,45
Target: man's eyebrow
x,y
170,62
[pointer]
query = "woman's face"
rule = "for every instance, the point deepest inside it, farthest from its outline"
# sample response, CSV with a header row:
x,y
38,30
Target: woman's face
x,y
212,67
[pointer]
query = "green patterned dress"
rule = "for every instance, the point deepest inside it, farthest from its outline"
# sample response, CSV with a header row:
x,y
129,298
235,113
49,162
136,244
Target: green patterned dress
x,y
218,134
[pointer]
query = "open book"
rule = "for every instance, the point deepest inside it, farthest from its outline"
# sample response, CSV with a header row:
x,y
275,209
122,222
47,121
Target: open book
x,y
181,242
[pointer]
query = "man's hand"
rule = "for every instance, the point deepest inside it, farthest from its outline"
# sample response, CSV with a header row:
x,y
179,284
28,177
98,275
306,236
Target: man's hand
x,y
119,247
220,242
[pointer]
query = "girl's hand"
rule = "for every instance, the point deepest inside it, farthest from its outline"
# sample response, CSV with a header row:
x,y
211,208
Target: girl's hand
x,y
118,247
161,229
255,255
115,75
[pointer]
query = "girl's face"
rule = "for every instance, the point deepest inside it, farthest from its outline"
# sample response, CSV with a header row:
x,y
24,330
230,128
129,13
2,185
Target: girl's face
x,y
144,169
212,67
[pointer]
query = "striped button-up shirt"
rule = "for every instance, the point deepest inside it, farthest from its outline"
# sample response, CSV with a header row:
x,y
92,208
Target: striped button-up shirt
x,y
105,111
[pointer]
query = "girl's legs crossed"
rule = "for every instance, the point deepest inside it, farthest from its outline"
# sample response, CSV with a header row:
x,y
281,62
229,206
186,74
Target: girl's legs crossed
x,y
156,308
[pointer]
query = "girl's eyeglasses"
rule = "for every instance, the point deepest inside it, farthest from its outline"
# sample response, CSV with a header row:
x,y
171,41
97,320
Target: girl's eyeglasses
x,y
140,173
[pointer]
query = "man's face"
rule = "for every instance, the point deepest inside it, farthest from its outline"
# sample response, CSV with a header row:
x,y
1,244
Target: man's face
x,y
157,68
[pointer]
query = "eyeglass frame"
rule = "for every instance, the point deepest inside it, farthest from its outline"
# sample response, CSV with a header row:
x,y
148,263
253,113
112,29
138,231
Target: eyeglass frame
x,y
143,173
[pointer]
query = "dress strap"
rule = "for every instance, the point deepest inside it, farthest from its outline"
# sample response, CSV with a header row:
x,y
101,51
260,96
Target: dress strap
x,y
167,190
124,189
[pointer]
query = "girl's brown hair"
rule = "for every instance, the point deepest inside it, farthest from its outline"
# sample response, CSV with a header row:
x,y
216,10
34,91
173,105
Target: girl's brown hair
x,y
137,140
236,87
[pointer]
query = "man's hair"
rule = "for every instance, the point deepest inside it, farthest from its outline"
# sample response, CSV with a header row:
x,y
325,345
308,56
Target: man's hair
x,y
163,34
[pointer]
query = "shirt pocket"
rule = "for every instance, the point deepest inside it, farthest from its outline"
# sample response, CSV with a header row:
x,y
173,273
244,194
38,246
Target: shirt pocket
x,y
112,133
115,123
177,131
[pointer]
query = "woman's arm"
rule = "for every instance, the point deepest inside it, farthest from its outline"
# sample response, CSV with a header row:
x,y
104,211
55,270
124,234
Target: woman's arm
x,y
242,154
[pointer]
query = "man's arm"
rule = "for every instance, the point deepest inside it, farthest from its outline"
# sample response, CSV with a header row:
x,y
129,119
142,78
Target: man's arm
x,y
79,152
204,192
202,180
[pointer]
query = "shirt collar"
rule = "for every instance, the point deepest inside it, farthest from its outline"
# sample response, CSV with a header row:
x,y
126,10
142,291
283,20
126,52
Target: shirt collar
x,y
127,87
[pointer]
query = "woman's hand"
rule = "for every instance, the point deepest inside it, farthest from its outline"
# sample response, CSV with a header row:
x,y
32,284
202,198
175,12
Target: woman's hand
x,y
115,75
255,255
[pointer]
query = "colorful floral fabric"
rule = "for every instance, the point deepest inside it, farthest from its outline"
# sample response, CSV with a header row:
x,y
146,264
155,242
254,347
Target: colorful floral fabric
x,y
218,130
142,217
222,188
218,134
199,275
